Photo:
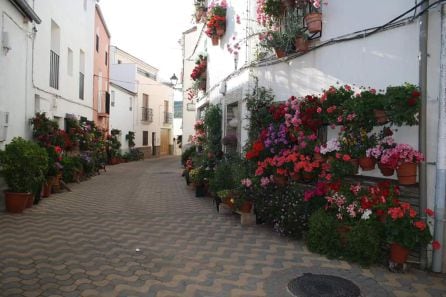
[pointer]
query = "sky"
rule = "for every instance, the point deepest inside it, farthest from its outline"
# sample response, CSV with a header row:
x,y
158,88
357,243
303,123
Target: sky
x,y
150,30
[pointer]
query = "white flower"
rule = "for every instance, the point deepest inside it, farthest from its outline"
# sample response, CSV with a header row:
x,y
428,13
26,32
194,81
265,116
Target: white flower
x,y
366,214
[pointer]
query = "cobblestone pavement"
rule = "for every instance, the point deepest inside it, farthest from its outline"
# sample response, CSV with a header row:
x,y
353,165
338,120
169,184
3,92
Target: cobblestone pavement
x,y
84,243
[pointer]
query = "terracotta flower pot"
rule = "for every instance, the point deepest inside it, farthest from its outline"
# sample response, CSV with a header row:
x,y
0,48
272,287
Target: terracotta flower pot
x,y
380,116
220,32
280,180
385,170
367,163
301,44
215,39
46,189
308,176
398,253
16,202
407,173
30,201
280,53
314,22
246,207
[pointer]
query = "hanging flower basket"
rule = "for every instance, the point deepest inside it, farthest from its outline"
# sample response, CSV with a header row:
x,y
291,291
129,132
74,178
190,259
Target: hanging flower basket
x,y
398,253
220,32
314,22
407,173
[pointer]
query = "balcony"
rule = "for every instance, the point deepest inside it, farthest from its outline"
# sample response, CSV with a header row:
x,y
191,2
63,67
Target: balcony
x,y
168,118
147,115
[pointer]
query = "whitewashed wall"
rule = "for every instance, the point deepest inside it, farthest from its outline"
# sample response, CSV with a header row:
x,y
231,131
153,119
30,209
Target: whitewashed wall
x,y
121,117
16,96
76,24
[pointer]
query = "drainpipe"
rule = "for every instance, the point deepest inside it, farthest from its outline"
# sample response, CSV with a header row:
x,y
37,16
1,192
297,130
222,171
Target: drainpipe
x,y
423,114
440,187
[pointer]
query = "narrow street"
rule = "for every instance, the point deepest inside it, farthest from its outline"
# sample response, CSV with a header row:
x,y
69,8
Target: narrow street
x,y
138,230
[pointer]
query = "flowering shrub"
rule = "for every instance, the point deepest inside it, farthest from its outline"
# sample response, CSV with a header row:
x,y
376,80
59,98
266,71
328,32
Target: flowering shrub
x,y
216,18
331,147
401,153
200,135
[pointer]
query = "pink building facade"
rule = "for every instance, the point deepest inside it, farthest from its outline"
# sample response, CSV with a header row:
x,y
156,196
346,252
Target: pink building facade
x,y
101,94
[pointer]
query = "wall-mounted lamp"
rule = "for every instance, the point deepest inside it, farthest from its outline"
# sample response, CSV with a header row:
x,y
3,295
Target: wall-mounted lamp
x,y
174,80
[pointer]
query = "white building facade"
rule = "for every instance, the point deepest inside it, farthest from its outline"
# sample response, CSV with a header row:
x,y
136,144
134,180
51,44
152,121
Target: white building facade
x,y
153,120
345,53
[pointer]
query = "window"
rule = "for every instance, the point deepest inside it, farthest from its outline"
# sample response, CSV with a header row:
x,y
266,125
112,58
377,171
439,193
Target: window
x,y
106,58
119,61
178,109
145,137
130,103
112,100
97,43
81,74
70,62
145,100
54,55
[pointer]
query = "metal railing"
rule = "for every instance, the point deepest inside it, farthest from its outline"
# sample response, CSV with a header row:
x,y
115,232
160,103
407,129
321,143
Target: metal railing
x,y
168,118
54,70
147,115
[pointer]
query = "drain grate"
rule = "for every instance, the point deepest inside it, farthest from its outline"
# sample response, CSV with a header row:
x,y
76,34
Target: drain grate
x,y
320,285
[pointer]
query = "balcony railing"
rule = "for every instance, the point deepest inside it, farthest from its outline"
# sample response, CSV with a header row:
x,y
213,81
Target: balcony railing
x,y
147,115
168,118
54,70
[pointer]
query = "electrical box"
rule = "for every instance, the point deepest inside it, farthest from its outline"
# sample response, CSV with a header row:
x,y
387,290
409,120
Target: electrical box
x,y
4,123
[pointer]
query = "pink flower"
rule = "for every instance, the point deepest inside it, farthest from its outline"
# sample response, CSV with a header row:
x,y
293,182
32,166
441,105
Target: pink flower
x,y
436,245
429,212
346,158
246,182
264,181
319,110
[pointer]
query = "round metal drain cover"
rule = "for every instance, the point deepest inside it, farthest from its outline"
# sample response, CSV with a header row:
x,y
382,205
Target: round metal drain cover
x,y
320,285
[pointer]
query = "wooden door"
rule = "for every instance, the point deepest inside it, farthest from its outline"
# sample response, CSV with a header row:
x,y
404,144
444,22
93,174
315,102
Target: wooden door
x,y
164,147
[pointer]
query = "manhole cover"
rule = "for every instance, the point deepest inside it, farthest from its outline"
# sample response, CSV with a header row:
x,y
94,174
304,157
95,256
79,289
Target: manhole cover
x,y
320,285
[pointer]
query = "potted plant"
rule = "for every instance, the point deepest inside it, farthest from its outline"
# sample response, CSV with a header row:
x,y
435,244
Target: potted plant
x,y
243,198
404,159
403,104
313,20
406,231
200,10
23,166
293,26
216,25
281,42
377,151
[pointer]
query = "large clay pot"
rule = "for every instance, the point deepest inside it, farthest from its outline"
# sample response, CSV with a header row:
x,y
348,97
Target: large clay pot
x,y
398,253
29,202
16,202
407,173
314,22
367,163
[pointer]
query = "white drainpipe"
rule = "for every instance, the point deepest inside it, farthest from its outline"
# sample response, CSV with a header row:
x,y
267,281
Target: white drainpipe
x,y
440,186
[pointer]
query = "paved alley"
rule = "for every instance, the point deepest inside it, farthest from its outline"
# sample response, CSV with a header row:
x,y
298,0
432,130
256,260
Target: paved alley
x,y
138,230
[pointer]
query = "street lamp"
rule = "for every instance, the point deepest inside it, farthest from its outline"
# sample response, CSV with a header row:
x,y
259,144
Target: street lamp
x,y
174,79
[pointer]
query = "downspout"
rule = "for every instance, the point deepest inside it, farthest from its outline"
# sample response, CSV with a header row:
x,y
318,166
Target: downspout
x,y
440,186
422,145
